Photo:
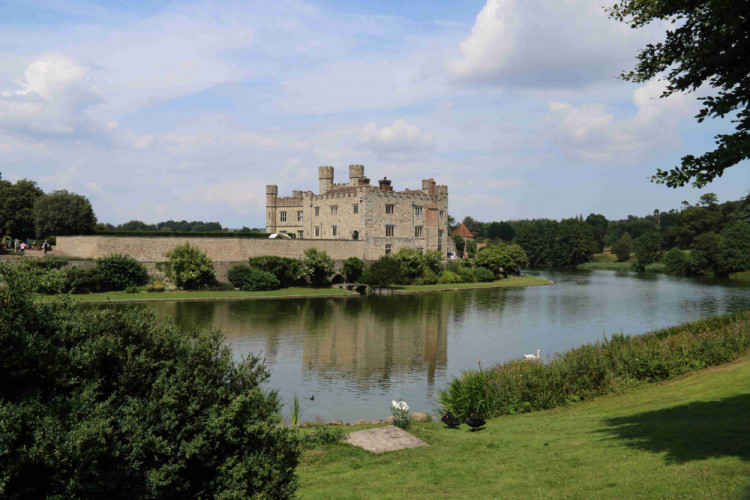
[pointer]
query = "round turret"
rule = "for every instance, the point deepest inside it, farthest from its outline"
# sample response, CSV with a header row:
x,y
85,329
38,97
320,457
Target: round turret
x,y
356,172
325,177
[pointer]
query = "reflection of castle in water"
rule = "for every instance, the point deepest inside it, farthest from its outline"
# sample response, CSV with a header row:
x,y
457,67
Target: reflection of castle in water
x,y
364,340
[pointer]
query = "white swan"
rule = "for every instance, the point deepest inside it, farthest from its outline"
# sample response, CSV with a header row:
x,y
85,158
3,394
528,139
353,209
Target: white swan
x,y
532,357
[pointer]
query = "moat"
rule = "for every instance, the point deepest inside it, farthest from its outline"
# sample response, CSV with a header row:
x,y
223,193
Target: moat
x,y
356,354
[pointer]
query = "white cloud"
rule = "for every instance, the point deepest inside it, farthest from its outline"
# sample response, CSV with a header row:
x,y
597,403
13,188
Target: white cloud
x,y
503,183
400,137
143,142
591,132
54,93
538,43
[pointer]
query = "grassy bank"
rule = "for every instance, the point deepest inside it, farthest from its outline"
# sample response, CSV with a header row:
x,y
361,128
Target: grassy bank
x,y
507,282
519,386
743,276
203,295
686,438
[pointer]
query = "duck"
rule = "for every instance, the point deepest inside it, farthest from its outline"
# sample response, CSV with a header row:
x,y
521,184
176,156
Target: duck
x,y
451,421
475,422
532,357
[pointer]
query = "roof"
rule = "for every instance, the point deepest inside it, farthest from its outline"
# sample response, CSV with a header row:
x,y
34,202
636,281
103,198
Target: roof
x,y
463,231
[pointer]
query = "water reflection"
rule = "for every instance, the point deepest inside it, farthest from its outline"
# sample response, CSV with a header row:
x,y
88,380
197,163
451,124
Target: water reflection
x,y
356,354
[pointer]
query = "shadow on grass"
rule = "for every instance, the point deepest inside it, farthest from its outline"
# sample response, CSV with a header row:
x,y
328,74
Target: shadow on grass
x,y
694,431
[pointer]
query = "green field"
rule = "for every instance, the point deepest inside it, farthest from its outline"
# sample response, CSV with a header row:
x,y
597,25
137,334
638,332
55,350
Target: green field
x,y
687,438
202,295
519,281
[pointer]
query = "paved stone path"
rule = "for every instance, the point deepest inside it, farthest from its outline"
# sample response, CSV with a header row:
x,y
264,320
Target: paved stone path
x,y
381,439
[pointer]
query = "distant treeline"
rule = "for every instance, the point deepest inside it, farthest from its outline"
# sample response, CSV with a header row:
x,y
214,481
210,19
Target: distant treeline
x,y
174,226
693,228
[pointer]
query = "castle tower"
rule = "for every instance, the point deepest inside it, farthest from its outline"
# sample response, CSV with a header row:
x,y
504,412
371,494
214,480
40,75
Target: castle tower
x,y
271,194
356,172
325,177
429,187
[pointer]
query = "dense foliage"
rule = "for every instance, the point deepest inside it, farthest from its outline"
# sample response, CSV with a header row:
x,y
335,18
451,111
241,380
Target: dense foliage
x,y
595,369
503,259
353,268
188,267
252,279
707,47
16,208
383,272
118,272
104,403
182,226
316,266
286,270
63,213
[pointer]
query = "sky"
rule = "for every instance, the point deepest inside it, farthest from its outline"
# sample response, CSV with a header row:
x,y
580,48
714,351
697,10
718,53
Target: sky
x,y
159,110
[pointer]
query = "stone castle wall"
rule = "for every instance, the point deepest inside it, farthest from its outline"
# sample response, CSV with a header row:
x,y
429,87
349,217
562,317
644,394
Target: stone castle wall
x,y
152,249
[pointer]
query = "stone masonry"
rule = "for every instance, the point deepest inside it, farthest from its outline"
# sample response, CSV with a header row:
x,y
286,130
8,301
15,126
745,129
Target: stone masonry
x,y
383,218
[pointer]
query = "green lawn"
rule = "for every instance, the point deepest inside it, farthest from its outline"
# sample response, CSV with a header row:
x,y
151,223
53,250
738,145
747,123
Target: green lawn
x,y
519,281
203,295
688,438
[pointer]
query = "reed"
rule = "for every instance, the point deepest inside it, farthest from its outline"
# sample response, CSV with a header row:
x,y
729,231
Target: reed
x,y
741,276
594,369
296,417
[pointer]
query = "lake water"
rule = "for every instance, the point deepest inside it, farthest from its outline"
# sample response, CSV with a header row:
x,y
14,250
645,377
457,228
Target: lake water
x,y
356,354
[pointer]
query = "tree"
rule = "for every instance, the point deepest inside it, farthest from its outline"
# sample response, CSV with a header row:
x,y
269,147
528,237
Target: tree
x,y
623,247
574,244
62,213
458,240
708,200
383,272
503,259
647,249
16,207
471,248
188,267
353,267
598,224
316,266
734,253
111,403
706,46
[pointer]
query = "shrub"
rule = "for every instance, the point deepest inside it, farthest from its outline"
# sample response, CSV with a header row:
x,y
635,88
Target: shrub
x,y
188,267
429,277
448,277
383,272
316,266
433,261
595,369
412,263
47,281
483,274
503,259
238,273
353,268
647,250
103,402
258,281
133,289
321,434
466,274
118,272
286,270
79,280
156,286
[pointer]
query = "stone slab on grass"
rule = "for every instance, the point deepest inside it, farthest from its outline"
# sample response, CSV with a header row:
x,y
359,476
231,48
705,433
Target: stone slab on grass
x,y
383,439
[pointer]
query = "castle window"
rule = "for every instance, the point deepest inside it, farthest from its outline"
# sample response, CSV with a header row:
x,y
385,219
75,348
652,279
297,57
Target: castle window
x,y
418,210
388,249
356,209
442,214
355,235
390,230
283,216
299,234
300,216
389,209
334,230
440,234
317,232
334,209
417,231
317,211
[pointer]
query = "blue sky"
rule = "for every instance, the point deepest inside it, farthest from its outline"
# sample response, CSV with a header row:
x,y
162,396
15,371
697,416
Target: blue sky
x,y
160,110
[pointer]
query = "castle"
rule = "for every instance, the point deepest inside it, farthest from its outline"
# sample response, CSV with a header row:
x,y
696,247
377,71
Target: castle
x,y
384,219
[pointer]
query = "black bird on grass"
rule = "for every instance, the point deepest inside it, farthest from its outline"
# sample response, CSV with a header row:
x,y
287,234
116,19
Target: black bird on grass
x,y
451,421
475,422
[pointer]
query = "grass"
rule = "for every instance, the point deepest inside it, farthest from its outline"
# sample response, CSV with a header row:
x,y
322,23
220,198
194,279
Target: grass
x,y
741,276
517,281
687,438
201,295
606,265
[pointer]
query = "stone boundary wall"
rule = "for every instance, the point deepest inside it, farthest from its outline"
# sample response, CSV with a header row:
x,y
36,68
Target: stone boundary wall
x,y
152,249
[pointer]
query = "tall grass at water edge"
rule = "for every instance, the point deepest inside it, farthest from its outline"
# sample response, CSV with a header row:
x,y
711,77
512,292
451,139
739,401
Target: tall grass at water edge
x,y
741,276
596,369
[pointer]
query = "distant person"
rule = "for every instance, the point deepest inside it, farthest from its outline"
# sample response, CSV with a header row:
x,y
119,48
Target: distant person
x,y
45,247
23,246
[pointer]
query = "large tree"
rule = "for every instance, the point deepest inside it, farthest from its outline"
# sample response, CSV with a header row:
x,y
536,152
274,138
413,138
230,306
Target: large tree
x,y
61,213
16,206
707,45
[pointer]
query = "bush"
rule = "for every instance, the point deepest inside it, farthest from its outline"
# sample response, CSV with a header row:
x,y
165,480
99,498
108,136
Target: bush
x,y
383,272
79,280
156,286
286,270
353,268
118,272
429,277
412,264
503,260
188,267
483,274
258,281
448,277
466,274
595,369
317,266
103,402
46,280
647,250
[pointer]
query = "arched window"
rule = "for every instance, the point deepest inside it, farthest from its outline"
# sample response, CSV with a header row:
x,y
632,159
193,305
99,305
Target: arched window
x,y
355,235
